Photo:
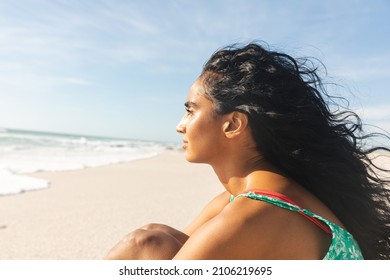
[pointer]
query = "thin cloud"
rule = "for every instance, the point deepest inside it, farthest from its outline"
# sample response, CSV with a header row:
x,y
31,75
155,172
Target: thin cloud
x,y
375,112
367,68
36,83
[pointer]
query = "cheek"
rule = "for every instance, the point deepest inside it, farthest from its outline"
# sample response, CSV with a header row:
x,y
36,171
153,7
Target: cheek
x,y
206,131
199,127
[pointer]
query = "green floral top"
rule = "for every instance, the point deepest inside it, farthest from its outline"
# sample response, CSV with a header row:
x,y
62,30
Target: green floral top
x,y
343,246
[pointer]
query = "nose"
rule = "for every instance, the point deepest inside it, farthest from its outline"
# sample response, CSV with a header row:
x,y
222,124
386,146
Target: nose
x,y
180,128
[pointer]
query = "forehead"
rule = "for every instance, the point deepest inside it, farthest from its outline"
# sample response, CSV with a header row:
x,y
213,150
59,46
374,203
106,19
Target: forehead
x,y
196,94
196,89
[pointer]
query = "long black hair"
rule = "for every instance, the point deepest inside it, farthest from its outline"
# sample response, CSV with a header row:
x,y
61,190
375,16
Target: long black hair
x,y
300,128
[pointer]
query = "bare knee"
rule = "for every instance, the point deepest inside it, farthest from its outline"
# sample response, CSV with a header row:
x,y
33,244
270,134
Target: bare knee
x,y
143,238
180,236
154,226
129,247
145,244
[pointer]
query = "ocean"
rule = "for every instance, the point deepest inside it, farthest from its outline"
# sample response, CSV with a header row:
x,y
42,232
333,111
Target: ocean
x,y
24,151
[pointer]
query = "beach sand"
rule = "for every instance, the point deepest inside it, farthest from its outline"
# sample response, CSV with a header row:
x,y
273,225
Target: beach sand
x,y
85,212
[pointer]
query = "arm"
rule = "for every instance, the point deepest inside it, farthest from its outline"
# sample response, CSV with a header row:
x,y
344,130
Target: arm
x,y
245,229
249,229
224,236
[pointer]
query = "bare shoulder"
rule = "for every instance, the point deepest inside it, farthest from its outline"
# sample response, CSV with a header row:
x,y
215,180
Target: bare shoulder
x,y
250,229
235,233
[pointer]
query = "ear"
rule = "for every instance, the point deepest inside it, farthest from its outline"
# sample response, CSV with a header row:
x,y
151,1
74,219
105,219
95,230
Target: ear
x,y
235,124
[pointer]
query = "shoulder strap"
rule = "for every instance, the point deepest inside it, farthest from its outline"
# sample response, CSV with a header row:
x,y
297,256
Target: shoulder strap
x,y
284,198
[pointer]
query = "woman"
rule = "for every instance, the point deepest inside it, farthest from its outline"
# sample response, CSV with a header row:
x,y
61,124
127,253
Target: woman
x,y
299,182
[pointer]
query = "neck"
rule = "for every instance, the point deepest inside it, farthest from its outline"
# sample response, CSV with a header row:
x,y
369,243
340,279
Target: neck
x,y
240,172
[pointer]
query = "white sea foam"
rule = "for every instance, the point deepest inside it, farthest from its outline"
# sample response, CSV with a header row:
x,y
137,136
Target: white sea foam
x,y
26,152
13,183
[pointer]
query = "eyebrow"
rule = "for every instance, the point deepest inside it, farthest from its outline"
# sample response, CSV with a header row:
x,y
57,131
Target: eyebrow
x,y
190,104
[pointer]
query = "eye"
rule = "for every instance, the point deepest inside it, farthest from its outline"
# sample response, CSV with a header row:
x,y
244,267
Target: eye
x,y
189,111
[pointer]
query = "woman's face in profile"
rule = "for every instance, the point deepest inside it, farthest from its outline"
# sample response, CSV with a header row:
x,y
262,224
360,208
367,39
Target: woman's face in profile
x,y
201,127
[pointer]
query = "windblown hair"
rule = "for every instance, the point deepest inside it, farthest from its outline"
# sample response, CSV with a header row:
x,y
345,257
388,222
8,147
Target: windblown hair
x,y
301,129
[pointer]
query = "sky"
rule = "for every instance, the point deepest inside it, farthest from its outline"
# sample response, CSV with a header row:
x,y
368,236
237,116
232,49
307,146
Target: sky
x,y
123,68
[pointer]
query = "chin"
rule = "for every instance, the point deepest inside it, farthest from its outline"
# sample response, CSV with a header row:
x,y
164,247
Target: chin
x,y
194,159
190,157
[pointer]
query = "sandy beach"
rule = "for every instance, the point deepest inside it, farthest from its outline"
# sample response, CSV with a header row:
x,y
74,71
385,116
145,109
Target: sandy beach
x,y
85,212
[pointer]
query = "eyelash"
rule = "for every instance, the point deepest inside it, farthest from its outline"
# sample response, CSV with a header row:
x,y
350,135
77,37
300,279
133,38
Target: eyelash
x,y
189,112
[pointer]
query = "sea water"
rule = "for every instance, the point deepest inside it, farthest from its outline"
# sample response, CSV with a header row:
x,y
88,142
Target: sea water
x,y
29,151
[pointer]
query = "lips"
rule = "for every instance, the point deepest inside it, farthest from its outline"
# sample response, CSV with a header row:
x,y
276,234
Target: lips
x,y
185,144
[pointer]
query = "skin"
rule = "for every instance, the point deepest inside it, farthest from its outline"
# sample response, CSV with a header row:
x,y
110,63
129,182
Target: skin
x,y
245,228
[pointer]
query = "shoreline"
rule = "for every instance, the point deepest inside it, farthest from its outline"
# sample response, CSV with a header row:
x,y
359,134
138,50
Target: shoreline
x,y
83,213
